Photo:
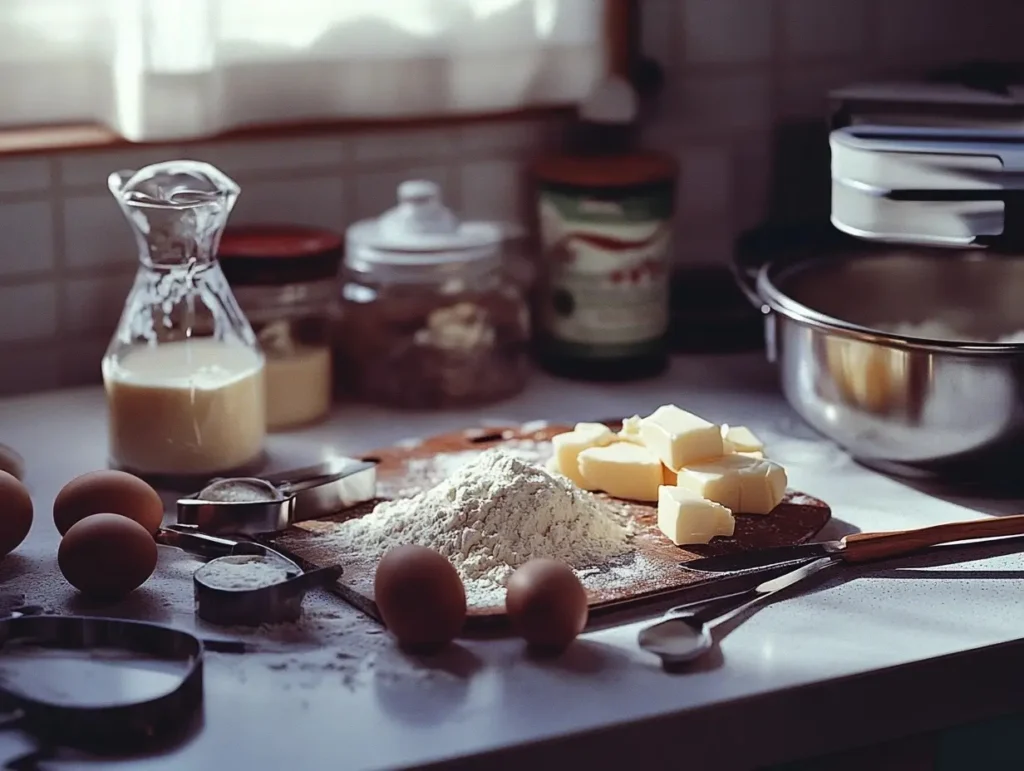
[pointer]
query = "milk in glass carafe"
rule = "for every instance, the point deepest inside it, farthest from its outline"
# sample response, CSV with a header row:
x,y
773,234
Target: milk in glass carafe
x,y
184,372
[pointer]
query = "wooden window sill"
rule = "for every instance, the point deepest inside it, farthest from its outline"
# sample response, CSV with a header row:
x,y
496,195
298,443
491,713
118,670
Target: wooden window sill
x,y
36,140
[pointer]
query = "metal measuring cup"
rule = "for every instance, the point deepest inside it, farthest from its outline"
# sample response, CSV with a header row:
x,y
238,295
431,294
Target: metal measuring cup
x,y
271,504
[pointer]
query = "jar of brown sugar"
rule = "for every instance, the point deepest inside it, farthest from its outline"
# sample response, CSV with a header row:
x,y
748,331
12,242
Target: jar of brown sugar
x,y
284,278
430,319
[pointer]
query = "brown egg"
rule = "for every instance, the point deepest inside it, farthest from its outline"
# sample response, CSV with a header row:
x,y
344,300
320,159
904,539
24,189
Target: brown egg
x,y
420,597
107,555
108,492
15,513
546,603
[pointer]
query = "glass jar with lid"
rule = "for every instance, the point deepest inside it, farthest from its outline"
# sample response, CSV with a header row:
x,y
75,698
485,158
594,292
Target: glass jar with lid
x,y
430,319
284,278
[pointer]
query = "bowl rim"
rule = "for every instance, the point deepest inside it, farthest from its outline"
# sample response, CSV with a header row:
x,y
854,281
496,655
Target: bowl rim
x,y
777,301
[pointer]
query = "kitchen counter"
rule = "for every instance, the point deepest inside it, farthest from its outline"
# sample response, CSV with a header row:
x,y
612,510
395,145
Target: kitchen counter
x,y
860,657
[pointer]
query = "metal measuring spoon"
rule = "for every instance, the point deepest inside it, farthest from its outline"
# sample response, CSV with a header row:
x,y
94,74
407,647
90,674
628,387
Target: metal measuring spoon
x,y
275,600
685,635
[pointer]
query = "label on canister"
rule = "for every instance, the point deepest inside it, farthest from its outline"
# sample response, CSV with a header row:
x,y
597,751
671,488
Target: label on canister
x,y
606,259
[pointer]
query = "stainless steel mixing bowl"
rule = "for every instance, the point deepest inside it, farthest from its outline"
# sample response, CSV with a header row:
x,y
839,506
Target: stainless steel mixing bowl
x,y
908,404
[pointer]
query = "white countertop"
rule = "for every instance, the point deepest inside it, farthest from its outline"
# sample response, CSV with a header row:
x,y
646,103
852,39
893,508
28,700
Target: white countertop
x,y
823,670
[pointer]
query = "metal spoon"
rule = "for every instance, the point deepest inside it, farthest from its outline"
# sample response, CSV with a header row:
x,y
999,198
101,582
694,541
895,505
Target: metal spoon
x,y
685,634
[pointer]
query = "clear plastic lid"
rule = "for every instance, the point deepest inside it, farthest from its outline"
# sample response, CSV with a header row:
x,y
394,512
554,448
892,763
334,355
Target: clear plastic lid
x,y
420,231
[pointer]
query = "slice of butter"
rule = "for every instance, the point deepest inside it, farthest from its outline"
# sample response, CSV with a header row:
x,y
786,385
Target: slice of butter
x,y
741,439
569,445
623,470
680,438
741,483
687,518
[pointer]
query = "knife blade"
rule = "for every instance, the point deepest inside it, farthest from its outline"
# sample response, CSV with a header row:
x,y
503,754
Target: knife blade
x,y
763,558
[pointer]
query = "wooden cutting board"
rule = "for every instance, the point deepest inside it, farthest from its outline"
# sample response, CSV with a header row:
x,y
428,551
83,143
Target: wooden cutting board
x,y
650,570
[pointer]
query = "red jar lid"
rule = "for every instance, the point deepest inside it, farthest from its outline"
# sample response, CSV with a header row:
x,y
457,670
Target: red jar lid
x,y
279,254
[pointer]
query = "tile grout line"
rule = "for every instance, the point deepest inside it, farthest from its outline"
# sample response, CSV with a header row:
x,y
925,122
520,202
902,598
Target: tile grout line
x,y
59,237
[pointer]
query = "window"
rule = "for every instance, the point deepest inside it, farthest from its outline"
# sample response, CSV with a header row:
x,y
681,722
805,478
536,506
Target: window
x,y
153,70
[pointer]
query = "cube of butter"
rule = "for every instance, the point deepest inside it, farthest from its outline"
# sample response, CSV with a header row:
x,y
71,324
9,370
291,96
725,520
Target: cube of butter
x,y
763,487
686,518
569,445
623,470
680,438
739,482
717,480
741,439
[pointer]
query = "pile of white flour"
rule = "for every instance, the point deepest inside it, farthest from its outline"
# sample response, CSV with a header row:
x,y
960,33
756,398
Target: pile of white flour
x,y
490,516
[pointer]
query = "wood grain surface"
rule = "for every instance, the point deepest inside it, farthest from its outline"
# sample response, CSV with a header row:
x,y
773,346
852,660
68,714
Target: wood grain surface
x,y
648,571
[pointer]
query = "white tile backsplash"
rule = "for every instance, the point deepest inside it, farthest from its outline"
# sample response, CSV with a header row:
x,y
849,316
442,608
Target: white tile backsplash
x,y
96,233
80,360
803,91
91,169
22,175
726,102
705,243
506,138
92,306
493,190
825,28
742,108
314,201
390,147
910,31
753,180
727,31
29,368
660,31
26,238
28,312
705,180
243,159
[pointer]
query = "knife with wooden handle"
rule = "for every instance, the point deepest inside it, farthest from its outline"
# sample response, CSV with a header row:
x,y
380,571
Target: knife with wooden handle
x,y
865,547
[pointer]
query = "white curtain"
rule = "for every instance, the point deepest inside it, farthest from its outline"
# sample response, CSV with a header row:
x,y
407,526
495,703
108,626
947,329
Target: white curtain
x,y
168,69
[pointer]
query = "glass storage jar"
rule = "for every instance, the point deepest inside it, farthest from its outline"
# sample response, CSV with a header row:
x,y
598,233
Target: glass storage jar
x,y
284,278
429,317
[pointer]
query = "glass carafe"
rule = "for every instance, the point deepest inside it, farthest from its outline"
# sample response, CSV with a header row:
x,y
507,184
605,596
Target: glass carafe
x,y
183,372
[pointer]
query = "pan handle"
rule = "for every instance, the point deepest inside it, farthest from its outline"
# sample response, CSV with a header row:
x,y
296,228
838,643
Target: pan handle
x,y
748,257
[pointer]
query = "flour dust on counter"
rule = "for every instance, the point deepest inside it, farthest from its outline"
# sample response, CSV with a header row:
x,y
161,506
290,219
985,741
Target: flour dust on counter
x,y
331,640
